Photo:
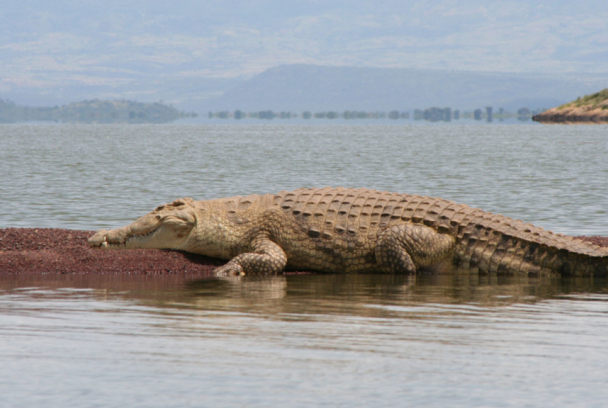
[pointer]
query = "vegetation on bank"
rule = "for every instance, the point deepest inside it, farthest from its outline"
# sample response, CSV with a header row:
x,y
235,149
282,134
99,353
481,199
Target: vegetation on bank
x,y
124,111
93,111
598,100
590,109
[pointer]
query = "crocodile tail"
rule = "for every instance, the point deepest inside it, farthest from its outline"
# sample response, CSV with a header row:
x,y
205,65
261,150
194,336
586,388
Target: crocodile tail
x,y
515,256
571,263
497,244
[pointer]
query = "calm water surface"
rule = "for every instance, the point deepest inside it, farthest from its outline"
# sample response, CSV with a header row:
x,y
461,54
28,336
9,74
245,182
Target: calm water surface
x,y
86,177
433,341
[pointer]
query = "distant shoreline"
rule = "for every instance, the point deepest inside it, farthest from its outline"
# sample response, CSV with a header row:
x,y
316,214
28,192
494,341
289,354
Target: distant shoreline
x,y
572,116
591,109
93,111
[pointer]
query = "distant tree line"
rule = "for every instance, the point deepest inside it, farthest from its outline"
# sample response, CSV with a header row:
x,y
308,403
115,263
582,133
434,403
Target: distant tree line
x,y
93,111
269,114
433,114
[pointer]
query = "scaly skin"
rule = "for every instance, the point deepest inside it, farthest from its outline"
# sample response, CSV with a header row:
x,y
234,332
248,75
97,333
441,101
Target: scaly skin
x,y
354,231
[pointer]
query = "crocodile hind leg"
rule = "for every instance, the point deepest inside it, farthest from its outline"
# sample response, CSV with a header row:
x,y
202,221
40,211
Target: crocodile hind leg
x,y
405,248
266,257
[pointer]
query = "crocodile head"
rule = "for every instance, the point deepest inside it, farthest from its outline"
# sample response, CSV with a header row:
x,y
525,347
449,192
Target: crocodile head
x,y
167,227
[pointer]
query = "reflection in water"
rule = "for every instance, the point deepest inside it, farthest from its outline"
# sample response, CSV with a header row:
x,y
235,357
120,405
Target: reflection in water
x,y
303,340
353,294
321,293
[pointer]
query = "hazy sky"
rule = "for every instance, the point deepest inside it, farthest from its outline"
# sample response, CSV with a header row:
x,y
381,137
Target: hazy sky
x,y
50,43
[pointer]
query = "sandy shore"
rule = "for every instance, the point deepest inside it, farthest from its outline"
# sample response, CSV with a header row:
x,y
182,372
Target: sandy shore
x,y
61,251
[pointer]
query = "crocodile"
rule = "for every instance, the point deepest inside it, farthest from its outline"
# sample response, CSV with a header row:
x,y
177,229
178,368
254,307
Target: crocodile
x,y
354,231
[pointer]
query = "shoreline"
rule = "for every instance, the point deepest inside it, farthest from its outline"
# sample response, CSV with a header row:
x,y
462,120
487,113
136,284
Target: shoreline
x,y
55,251
592,109
572,116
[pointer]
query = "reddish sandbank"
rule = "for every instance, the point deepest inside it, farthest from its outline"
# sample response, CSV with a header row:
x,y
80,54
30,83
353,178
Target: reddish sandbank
x,y
62,251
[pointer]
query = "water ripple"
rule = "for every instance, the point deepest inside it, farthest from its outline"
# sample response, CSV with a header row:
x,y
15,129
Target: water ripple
x,y
91,176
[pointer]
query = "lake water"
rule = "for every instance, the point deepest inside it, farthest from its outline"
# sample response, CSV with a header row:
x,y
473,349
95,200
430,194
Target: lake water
x,y
301,341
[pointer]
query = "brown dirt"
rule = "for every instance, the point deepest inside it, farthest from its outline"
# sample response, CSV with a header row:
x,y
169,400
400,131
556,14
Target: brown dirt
x,y
601,241
61,251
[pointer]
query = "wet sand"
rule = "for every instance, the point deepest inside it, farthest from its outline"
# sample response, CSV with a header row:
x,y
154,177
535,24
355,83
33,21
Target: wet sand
x,y
62,251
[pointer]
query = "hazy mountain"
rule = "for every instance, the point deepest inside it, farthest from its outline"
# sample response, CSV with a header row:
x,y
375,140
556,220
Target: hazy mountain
x,y
302,87
54,52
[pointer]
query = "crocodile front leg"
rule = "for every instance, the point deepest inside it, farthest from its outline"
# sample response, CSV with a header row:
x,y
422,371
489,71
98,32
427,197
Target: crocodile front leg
x,y
266,257
405,248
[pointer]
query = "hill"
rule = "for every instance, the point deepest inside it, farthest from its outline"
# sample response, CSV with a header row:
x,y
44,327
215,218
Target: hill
x,y
588,109
56,52
92,111
300,87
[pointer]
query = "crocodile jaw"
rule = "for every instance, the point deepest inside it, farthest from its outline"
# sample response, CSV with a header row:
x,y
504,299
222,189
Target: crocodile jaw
x,y
167,227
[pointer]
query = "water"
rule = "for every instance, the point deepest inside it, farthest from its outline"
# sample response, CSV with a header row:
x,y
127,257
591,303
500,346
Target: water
x,y
88,177
434,341
303,341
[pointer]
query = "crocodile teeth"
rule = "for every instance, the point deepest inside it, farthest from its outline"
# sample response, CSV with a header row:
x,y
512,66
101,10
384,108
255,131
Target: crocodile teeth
x,y
104,244
140,236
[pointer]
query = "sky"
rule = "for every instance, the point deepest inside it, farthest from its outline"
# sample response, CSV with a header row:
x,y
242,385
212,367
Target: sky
x,y
63,43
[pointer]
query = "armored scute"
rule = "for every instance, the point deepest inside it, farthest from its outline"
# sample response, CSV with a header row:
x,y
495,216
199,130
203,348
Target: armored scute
x,y
354,231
